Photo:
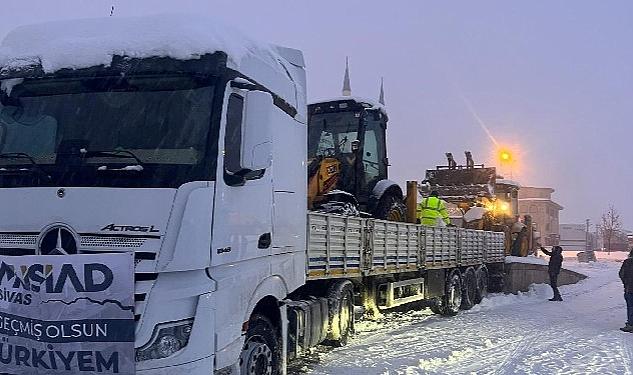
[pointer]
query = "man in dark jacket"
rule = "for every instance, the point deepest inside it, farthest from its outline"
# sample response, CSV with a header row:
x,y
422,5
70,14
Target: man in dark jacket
x,y
554,266
626,275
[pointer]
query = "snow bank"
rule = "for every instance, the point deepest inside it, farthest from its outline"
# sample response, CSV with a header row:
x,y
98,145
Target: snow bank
x,y
537,292
91,42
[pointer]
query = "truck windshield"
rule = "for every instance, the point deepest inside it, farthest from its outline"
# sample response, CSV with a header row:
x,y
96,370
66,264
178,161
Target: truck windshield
x,y
162,121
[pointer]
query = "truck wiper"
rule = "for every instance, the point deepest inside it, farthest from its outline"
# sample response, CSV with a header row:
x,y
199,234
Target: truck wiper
x,y
121,154
24,155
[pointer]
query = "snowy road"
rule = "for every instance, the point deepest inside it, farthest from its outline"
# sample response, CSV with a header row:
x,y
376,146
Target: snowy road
x,y
523,334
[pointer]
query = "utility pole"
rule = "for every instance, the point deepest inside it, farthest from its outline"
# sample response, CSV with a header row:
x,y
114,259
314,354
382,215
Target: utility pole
x,y
587,242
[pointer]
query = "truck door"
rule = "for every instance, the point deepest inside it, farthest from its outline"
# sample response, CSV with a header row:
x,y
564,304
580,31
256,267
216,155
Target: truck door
x,y
243,213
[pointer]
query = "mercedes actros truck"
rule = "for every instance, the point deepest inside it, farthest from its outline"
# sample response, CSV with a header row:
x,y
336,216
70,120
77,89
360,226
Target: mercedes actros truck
x,y
187,147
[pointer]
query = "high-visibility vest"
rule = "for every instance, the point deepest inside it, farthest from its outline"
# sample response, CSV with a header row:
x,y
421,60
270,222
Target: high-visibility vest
x,y
430,209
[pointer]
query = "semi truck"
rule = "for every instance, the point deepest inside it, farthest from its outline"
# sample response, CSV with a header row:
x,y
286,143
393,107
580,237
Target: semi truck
x,y
187,147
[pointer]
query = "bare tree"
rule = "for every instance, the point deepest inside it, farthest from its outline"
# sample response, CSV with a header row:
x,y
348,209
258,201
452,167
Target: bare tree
x,y
610,226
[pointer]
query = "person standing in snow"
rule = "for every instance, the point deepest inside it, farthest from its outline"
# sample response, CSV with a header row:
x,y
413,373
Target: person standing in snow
x,y
554,266
626,275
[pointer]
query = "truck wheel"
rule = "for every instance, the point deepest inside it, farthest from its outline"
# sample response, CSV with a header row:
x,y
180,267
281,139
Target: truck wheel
x,y
341,306
469,289
482,283
261,354
391,208
453,298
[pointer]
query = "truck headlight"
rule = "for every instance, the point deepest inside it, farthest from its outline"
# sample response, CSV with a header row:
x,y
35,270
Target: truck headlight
x,y
167,339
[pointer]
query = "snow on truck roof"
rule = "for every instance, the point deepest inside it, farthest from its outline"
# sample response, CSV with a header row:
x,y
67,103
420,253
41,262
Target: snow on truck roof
x,y
84,43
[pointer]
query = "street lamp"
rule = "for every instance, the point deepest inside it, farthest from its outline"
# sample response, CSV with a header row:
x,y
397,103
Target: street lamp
x,y
506,159
505,156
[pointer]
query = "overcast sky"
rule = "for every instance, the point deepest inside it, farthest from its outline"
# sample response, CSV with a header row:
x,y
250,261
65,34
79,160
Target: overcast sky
x,y
551,79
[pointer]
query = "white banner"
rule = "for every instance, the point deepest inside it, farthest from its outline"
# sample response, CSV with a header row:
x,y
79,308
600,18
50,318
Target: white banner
x,y
67,314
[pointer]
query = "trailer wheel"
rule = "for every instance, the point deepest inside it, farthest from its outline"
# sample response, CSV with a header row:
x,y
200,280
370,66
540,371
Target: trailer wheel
x,y
469,289
261,354
391,208
437,306
482,283
341,306
453,298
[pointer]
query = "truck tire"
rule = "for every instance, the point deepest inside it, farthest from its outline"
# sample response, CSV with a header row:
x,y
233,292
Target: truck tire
x,y
391,208
341,311
261,354
469,289
482,283
453,298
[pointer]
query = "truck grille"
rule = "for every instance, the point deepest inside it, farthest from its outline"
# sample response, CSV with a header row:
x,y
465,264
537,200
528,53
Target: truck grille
x,y
145,258
17,239
110,242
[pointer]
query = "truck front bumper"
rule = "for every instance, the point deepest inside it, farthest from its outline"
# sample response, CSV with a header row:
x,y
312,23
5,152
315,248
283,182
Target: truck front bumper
x,y
202,366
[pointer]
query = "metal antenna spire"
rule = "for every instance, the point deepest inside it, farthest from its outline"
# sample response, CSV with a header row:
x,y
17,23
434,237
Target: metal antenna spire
x,y
347,87
381,98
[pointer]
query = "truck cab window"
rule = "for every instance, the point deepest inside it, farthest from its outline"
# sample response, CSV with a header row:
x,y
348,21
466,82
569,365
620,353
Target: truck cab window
x,y
233,137
20,132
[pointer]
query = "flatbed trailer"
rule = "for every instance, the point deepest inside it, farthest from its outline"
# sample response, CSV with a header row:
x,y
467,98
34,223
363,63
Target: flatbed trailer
x,y
383,264
357,247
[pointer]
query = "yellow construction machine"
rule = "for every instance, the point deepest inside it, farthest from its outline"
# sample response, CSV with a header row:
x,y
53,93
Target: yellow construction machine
x,y
482,200
347,160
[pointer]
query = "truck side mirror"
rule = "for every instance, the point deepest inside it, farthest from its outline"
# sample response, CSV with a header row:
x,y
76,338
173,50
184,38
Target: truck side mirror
x,y
256,150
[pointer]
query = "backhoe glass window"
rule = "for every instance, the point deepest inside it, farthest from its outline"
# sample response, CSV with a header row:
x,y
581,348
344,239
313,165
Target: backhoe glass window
x,y
370,157
332,134
374,150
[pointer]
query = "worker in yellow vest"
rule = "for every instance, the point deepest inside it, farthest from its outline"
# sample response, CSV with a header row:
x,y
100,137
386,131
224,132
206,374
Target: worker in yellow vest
x,y
432,211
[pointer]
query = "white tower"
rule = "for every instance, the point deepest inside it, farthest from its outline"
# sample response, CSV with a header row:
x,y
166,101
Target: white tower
x,y
347,87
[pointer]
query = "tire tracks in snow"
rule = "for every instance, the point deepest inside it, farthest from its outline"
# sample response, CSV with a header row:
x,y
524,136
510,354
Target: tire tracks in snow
x,y
627,354
508,364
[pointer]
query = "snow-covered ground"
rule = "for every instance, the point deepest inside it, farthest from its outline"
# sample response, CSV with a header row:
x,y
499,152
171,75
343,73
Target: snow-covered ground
x,y
505,334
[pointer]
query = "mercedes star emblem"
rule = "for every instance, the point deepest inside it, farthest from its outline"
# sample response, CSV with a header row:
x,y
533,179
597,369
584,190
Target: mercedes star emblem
x,y
58,241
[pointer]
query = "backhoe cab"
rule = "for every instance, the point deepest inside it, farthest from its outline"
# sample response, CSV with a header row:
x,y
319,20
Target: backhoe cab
x,y
347,156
